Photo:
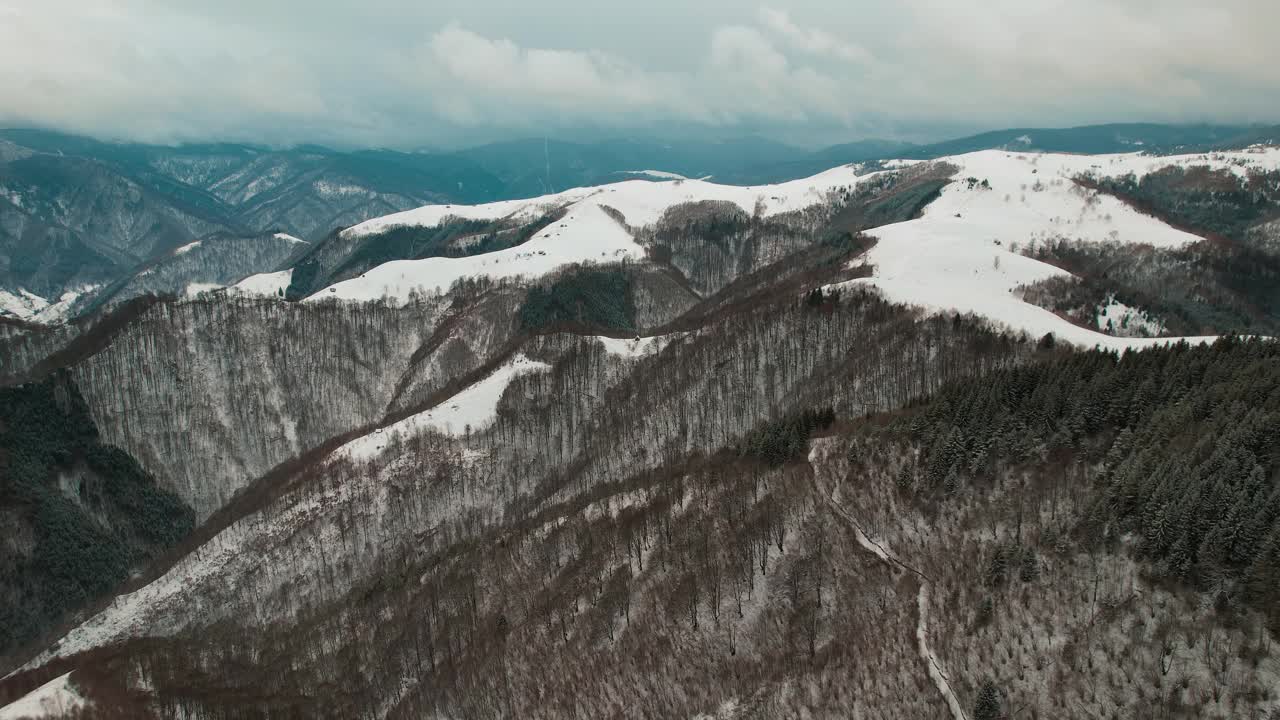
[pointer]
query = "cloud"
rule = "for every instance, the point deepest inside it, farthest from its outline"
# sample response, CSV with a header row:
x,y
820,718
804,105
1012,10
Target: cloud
x,y
479,76
1180,59
401,72
812,40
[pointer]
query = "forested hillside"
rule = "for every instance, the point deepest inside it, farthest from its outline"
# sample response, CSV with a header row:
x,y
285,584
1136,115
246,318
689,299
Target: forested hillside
x,y
79,515
1036,532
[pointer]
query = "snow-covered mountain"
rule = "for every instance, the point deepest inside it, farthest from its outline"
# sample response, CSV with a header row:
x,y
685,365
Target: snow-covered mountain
x,y
556,456
963,254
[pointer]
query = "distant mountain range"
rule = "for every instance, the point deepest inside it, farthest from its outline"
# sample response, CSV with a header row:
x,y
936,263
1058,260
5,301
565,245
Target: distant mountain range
x,y
78,214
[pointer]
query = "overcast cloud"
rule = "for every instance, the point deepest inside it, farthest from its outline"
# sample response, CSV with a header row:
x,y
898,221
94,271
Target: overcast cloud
x,y
400,73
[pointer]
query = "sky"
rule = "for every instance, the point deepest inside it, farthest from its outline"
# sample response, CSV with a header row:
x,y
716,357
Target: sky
x,y
442,73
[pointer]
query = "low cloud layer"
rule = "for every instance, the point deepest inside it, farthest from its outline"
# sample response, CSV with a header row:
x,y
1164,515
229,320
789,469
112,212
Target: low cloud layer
x,y
398,73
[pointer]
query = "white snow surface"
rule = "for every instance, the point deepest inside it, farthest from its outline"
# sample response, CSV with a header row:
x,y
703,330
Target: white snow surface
x,y
26,305
52,699
432,215
961,255
187,248
264,284
22,304
643,202
288,237
195,289
658,174
587,234
1127,321
475,408
1239,162
633,347
958,256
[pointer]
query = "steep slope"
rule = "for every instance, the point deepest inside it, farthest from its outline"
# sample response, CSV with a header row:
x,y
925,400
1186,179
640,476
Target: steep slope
x,y
886,572
308,191
68,222
243,385
116,213
79,515
210,262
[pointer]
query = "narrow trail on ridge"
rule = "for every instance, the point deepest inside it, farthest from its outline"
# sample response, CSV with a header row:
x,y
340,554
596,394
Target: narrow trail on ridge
x,y
820,458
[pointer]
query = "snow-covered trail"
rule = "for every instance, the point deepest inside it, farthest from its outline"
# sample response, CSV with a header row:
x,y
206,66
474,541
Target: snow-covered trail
x,y
818,455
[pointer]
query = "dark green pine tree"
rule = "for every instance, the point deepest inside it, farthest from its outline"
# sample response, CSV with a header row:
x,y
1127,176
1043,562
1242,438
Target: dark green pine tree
x,y
988,705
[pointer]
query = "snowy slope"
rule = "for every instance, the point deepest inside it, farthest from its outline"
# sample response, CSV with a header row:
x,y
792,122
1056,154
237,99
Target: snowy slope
x,y
643,203
22,304
431,215
472,409
634,347
587,234
160,606
264,284
54,699
961,255
1240,162
26,305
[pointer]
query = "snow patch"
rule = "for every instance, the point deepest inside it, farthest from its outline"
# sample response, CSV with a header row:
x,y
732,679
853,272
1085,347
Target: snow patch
x,y
1116,318
632,348
22,304
26,305
657,174
331,189
186,248
264,284
289,238
196,289
53,699
473,409
12,196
